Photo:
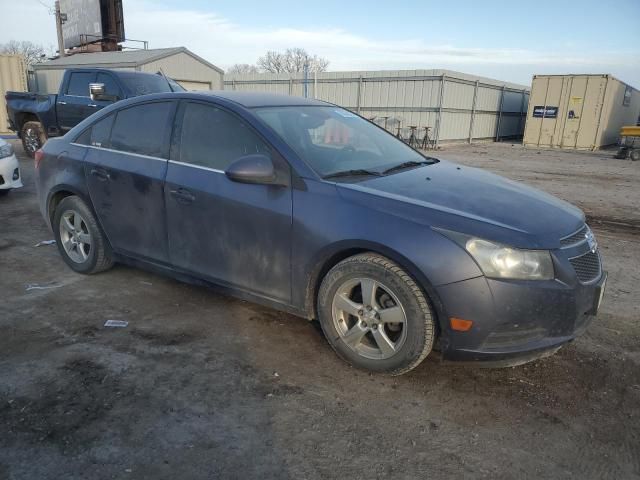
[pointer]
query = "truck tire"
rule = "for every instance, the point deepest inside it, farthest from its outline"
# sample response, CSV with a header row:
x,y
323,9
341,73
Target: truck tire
x,y
79,238
375,316
635,155
33,137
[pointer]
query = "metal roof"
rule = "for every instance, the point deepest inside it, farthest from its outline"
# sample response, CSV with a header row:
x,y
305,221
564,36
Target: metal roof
x,y
127,58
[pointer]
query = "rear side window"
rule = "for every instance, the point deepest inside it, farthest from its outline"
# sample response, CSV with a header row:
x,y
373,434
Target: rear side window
x,y
142,129
98,134
79,84
214,138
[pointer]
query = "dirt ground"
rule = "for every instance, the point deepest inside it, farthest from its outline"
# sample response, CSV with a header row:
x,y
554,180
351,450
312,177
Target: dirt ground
x,y
204,386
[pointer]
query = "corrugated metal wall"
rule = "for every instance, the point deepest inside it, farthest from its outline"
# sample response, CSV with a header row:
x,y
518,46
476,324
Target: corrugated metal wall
x,y
184,68
13,76
454,105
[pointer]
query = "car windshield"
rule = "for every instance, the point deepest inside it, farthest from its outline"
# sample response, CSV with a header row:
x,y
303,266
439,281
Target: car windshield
x,y
145,84
336,142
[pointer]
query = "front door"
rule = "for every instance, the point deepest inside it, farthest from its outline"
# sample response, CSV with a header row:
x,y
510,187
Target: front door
x,y
233,233
125,167
73,102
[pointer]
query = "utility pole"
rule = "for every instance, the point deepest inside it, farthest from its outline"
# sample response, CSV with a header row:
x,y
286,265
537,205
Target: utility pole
x,y
59,21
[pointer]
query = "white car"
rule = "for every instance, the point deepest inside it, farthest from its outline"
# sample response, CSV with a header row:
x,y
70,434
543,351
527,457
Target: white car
x,y
9,169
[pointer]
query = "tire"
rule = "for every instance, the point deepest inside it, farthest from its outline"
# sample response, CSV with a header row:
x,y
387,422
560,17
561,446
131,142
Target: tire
x,y
4,192
395,334
33,137
80,241
635,155
622,153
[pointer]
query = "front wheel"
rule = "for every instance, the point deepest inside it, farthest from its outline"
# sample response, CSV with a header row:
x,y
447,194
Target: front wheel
x,y
33,137
375,316
80,241
635,155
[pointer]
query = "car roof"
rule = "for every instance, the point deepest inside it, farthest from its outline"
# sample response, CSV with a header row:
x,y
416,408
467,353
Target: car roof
x,y
253,99
260,99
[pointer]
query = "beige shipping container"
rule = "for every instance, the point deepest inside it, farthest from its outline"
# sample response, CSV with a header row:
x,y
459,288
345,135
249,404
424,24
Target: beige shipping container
x,y
13,76
579,111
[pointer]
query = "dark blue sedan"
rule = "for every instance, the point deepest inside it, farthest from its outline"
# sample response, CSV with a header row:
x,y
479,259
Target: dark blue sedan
x,y
306,207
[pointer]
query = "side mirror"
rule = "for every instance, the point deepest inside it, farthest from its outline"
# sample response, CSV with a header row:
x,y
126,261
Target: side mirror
x,y
255,168
96,91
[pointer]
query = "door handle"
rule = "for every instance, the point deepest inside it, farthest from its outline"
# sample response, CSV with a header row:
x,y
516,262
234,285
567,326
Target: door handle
x,y
92,105
182,195
62,103
101,174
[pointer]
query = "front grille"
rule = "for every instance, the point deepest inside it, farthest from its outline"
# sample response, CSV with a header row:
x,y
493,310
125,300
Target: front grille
x,y
587,266
575,238
1,180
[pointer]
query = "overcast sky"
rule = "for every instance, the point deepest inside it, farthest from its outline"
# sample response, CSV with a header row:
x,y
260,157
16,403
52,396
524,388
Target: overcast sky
x,y
509,40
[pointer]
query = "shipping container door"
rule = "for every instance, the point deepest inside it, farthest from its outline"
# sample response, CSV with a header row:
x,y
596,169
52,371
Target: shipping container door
x,y
549,119
544,102
591,112
573,111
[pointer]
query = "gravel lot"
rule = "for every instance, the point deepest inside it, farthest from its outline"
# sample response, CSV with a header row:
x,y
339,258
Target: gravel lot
x,y
204,386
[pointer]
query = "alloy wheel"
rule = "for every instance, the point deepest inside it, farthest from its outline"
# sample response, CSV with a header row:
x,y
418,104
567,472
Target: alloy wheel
x,y
369,318
75,236
31,140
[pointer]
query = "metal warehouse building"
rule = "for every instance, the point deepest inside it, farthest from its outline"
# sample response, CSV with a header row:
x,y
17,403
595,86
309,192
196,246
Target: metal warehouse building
x,y
579,111
187,68
456,106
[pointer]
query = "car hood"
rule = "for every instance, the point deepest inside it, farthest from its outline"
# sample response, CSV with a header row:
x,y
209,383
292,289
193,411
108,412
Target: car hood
x,y
471,200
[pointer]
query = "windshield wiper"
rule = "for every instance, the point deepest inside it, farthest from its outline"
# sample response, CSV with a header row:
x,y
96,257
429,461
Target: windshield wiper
x,y
353,173
403,165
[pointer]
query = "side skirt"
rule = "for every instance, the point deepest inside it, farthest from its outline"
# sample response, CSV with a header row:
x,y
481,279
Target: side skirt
x,y
222,289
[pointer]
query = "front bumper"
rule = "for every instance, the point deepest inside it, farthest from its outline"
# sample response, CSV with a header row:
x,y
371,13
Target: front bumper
x,y
10,176
516,321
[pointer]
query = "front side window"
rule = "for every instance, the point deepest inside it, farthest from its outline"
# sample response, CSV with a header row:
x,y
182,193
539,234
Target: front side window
x,y
142,129
79,84
111,87
214,138
332,139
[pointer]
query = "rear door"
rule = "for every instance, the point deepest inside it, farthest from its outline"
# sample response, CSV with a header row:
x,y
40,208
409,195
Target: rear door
x,y
73,101
233,233
126,164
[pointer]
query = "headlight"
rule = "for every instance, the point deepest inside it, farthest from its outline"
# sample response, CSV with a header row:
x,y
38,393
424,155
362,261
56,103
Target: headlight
x,y
6,151
499,261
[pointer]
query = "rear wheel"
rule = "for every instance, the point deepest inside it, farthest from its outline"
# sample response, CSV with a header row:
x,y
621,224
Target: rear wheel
x,y
635,155
80,241
375,316
33,137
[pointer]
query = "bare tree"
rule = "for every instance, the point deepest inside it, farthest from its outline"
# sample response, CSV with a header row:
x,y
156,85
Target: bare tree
x,y
291,60
272,62
241,68
31,52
